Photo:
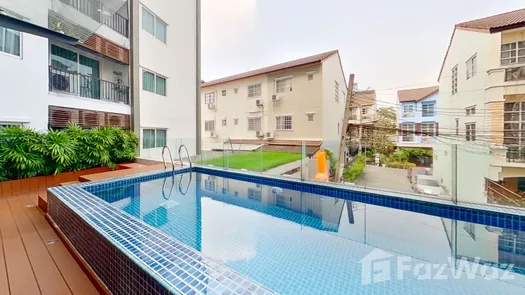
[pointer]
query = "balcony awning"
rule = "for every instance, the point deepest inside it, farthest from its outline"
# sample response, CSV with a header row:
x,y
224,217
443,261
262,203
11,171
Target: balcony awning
x,y
26,27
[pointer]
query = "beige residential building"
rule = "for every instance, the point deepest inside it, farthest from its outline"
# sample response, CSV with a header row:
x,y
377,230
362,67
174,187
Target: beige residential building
x,y
481,109
300,100
363,116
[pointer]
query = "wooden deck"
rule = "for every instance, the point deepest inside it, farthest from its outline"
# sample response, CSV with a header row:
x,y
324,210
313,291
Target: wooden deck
x,y
33,260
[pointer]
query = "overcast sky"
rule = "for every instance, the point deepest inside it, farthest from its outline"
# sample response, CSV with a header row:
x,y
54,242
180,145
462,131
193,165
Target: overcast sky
x,y
387,44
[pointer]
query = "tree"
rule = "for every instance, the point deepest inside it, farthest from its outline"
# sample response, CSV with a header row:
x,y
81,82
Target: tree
x,y
383,131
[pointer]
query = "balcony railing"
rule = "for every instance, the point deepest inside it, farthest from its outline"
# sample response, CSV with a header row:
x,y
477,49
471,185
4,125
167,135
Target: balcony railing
x,y
498,194
516,154
95,10
515,74
63,81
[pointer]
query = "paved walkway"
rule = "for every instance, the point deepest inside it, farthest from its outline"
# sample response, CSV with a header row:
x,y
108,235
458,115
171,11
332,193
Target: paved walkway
x,y
385,178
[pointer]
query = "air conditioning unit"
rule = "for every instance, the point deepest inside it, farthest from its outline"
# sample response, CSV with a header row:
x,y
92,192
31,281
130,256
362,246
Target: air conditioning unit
x,y
276,97
258,103
259,134
424,139
212,107
214,134
269,135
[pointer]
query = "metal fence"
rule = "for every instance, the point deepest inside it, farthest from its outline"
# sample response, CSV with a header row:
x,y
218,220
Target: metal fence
x,y
95,10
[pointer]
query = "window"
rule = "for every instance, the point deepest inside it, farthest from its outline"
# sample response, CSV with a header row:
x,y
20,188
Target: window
x,y
455,80
471,131
209,125
235,90
209,98
408,110
283,123
235,121
514,127
10,124
153,25
310,116
254,90
364,111
407,130
152,138
427,129
470,110
153,83
224,122
283,85
336,91
254,124
224,92
10,41
310,77
471,67
513,53
457,126
427,109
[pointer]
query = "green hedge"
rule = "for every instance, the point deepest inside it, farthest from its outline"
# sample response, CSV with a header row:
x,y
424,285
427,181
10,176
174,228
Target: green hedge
x,y
26,153
353,172
400,165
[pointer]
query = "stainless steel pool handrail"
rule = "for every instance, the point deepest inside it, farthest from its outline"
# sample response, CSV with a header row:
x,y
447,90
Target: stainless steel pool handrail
x,y
171,189
187,153
171,158
187,187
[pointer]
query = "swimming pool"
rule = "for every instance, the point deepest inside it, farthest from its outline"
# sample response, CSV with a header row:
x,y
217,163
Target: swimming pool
x,y
280,237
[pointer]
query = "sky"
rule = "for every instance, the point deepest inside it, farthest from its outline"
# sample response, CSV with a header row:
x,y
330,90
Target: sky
x,y
388,45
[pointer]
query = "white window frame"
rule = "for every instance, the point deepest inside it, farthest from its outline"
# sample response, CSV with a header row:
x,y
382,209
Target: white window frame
x,y
518,46
425,107
155,137
364,111
408,110
407,132
284,123
470,131
155,75
252,90
283,84
7,124
310,116
428,128
224,92
224,122
517,117
155,19
470,110
209,126
253,125
209,98
20,42
336,91
454,81
471,66
310,75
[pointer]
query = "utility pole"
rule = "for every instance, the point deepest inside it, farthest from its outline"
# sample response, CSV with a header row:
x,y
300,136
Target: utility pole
x,y
342,146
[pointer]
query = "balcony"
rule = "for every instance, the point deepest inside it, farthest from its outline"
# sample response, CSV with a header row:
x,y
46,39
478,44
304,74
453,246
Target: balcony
x,y
515,74
516,154
96,10
63,81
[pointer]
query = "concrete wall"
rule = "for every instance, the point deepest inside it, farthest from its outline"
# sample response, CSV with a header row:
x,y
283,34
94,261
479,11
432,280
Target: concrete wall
x,y
333,111
175,60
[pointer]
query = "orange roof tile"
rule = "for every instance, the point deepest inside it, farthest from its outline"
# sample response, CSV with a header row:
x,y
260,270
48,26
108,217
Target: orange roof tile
x,y
416,94
278,67
495,22
366,97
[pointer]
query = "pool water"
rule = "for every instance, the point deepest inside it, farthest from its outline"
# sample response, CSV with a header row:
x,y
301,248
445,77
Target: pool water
x,y
294,242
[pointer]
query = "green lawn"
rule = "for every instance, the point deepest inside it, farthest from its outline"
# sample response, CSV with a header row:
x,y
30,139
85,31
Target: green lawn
x,y
252,160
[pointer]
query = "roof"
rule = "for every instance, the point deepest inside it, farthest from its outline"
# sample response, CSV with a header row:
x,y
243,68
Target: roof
x,y
416,94
278,67
492,24
366,97
496,22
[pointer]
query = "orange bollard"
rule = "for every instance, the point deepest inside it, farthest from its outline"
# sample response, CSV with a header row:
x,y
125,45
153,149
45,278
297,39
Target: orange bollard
x,y
321,167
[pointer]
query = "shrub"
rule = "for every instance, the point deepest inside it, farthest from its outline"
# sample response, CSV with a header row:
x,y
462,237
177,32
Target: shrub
x,y
355,170
400,165
26,153
332,162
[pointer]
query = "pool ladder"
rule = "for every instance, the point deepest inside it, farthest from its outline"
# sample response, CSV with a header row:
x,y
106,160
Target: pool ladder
x,y
171,158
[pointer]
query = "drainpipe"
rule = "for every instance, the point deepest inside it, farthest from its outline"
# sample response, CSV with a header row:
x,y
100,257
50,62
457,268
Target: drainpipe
x,y
198,78
133,7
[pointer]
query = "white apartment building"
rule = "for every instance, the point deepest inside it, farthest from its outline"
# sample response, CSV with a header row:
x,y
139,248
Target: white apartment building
x,y
300,100
482,99
102,62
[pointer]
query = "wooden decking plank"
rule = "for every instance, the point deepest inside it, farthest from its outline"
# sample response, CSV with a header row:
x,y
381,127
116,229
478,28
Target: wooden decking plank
x,y
19,270
75,278
48,277
4,284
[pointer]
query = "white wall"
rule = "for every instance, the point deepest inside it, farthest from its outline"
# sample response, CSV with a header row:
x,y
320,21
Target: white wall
x,y
333,111
175,60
